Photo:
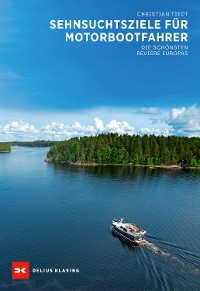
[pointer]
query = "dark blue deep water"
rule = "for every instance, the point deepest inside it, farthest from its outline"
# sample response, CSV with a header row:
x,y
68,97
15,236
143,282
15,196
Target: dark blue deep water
x,y
59,216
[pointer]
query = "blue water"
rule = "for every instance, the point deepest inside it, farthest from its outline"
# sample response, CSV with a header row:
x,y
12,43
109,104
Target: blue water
x,y
59,216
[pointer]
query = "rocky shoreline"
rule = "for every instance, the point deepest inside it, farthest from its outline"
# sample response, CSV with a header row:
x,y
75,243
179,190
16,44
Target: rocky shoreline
x,y
176,167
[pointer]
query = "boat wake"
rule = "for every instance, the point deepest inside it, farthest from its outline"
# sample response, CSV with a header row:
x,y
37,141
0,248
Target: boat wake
x,y
155,249
186,261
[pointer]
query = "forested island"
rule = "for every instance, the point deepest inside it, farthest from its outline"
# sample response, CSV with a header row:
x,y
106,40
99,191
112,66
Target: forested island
x,y
36,143
5,147
114,149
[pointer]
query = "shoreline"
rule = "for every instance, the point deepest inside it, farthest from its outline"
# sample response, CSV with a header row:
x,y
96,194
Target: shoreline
x,y
175,167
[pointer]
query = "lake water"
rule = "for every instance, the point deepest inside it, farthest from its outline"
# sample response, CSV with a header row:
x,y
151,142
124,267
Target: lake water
x,y
59,216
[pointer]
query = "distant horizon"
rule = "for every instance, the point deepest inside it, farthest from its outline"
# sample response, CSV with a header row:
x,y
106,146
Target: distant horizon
x,y
61,140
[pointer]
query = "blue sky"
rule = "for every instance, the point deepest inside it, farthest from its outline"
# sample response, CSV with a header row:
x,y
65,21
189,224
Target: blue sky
x,y
46,83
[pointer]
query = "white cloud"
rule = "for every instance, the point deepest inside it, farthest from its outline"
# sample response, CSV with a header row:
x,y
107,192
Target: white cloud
x,y
39,125
99,124
66,131
177,112
155,131
17,127
63,131
149,131
185,121
119,127
18,130
24,131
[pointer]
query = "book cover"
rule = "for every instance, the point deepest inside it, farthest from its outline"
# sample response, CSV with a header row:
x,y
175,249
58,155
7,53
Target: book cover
x,y
99,145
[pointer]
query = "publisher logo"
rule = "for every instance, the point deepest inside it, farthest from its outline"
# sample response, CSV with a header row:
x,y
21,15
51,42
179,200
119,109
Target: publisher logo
x,y
20,270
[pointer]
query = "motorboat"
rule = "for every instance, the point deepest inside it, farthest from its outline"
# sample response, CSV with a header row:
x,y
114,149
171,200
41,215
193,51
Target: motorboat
x,y
129,231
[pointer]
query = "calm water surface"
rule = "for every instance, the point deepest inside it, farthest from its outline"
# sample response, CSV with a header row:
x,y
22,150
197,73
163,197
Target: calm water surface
x,y
59,216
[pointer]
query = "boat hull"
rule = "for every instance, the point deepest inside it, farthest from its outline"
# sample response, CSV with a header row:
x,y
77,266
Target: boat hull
x,y
126,236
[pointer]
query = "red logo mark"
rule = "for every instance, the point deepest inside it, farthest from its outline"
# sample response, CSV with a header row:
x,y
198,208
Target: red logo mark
x,y
20,270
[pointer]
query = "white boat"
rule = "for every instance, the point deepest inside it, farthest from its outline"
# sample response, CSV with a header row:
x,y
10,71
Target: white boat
x,y
129,231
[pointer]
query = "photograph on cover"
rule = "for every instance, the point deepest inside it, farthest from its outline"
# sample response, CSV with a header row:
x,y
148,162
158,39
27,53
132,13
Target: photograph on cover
x,y
99,145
